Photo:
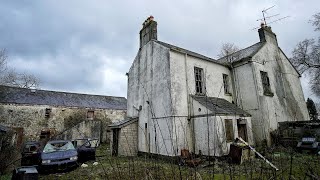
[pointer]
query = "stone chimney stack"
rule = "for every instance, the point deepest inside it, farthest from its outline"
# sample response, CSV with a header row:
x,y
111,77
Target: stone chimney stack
x,y
266,34
148,31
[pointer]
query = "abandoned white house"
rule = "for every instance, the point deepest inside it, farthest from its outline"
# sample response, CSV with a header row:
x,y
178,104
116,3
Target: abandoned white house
x,y
29,111
184,100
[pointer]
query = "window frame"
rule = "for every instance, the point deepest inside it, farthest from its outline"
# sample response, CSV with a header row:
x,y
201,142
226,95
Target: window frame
x,y
229,135
265,81
90,112
199,81
226,84
47,112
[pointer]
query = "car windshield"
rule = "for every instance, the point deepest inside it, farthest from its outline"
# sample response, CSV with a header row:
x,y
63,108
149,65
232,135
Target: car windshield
x,y
30,148
58,146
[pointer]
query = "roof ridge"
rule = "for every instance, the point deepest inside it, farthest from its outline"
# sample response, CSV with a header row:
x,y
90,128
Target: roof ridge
x,y
184,49
238,51
60,92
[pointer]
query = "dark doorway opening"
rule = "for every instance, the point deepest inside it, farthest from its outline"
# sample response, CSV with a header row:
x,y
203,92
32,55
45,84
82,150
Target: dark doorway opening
x,y
242,131
115,142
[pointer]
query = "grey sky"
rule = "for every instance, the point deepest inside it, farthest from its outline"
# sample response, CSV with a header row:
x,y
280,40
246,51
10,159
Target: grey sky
x,y
88,46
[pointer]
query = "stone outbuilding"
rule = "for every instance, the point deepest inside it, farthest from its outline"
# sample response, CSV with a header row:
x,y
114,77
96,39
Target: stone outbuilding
x,y
124,137
29,111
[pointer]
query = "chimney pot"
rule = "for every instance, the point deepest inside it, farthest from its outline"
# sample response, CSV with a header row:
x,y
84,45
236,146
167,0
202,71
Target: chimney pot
x,y
266,35
148,31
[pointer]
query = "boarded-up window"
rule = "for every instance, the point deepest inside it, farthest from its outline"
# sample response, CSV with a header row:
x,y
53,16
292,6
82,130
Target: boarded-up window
x,y
229,130
226,83
47,112
266,83
199,81
90,114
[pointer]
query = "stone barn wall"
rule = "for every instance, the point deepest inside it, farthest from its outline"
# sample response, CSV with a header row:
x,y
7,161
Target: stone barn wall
x,y
84,129
32,118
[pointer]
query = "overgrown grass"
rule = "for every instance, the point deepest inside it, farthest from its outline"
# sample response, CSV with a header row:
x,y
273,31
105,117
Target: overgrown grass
x,y
303,166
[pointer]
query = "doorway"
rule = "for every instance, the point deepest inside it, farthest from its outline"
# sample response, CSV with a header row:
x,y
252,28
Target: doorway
x,y
115,141
242,129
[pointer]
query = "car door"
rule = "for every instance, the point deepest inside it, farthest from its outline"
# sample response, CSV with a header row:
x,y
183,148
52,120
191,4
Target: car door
x,y
86,150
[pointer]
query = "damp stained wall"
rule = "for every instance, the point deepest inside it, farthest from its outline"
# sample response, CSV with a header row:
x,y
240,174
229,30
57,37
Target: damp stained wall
x,y
32,118
287,102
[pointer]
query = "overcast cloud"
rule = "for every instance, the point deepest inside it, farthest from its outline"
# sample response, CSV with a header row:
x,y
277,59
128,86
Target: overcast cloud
x,y
88,46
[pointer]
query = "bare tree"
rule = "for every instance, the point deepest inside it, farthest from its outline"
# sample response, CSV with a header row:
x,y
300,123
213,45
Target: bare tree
x,y
306,57
316,21
10,77
227,49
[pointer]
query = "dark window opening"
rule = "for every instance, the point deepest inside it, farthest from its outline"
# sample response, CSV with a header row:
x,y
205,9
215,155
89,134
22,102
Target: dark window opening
x,y
228,124
47,112
199,81
226,84
90,114
266,84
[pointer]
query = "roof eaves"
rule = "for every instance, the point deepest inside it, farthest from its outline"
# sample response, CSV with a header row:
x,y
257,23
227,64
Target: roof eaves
x,y
250,55
188,52
241,61
122,123
290,62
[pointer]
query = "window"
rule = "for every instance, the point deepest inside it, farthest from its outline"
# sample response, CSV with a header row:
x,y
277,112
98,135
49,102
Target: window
x,y
47,112
200,86
266,84
228,124
90,114
226,84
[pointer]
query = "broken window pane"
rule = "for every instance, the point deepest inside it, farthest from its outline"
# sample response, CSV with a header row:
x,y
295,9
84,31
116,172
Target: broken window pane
x,y
226,83
266,83
47,112
198,74
90,114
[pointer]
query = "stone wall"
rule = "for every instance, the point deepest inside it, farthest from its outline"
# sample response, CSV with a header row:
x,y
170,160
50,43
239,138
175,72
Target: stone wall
x,y
32,118
127,140
84,129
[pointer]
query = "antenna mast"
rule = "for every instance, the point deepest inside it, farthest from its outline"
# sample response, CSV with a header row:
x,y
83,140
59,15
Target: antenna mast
x,y
264,17
264,12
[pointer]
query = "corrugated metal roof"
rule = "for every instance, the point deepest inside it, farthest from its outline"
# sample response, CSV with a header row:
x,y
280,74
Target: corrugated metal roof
x,y
185,51
241,54
14,95
220,106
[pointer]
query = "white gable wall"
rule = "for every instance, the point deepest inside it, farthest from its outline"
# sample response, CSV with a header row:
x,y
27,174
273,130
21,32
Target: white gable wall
x,y
287,103
149,81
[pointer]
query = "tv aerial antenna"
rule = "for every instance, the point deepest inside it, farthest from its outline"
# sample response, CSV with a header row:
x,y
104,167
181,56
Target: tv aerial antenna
x,y
265,17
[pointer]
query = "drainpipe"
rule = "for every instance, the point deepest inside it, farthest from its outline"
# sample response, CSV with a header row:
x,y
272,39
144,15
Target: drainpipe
x,y
234,87
189,103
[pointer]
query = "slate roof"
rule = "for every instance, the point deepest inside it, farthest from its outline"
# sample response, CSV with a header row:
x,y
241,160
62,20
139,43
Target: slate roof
x,y
14,95
185,51
243,53
220,106
122,123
